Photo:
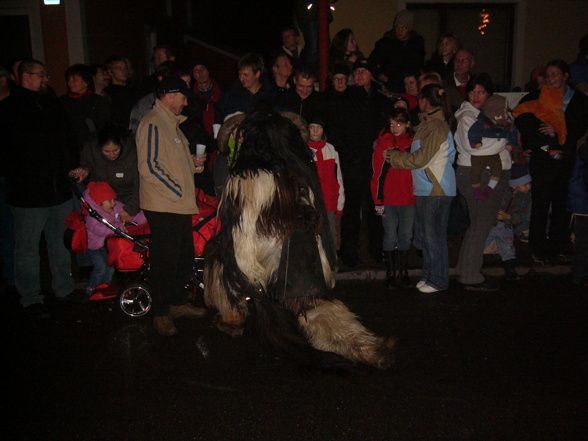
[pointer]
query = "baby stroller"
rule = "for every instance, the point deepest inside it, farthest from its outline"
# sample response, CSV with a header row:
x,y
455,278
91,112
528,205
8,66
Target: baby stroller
x,y
128,252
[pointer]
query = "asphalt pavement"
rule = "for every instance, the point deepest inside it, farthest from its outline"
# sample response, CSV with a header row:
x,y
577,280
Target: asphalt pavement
x,y
508,365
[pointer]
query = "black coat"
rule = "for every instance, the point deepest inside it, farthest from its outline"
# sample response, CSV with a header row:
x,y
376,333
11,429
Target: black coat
x,y
393,58
37,149
337,110
365,117
436,64
290,101
87,114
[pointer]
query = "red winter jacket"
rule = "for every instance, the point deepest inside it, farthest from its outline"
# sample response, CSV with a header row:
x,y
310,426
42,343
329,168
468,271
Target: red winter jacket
x,y
328,168
391,186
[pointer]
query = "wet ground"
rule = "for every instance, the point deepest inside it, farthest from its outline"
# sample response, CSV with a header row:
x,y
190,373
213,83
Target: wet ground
x,y
510,365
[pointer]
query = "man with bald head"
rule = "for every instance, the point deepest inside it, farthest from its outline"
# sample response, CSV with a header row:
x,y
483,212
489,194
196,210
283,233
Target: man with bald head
x,y
455,84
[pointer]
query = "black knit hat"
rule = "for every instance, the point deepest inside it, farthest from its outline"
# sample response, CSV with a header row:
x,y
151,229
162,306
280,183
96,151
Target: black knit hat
x,y
341,69
199,62
318,119
519,175
363,63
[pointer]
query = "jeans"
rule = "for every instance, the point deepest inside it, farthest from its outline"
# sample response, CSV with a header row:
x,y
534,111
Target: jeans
x,y
433,214
101,273
398,222
504,236
6,238
29,224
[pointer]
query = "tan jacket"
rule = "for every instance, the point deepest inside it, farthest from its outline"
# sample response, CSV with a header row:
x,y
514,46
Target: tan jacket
x,y
166,168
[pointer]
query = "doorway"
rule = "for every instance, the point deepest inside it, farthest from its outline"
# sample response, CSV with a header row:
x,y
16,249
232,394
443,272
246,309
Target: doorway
x,y
486,29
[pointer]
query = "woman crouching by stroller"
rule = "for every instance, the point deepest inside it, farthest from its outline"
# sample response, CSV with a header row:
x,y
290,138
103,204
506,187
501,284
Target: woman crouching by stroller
x,y
102,198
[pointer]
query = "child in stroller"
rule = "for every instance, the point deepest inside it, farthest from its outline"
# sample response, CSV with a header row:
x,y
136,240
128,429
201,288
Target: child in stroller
x,y
101,197
128,251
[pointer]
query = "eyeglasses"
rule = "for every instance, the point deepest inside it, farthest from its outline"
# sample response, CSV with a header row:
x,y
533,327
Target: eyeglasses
x,y
553,74
40,74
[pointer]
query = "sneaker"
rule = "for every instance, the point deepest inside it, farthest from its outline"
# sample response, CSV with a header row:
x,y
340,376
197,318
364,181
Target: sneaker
x,y
37,311
164,325
186,310
427,289
420,284
76,296
542,260
524,236
485,286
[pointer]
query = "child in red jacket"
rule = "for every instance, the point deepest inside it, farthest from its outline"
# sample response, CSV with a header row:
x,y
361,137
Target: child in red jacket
x,y
394,199
328,167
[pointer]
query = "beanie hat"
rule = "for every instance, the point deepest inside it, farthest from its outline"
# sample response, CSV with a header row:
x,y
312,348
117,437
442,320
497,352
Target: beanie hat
x,y
101,191
401,99
172,84
363,63
199,62
318,120
404,18
341,69
495,110
519,175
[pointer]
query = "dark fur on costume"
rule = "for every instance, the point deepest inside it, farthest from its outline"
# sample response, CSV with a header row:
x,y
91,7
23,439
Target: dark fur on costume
x,y
273,259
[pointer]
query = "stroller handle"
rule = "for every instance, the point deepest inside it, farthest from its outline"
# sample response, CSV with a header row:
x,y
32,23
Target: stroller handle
x,y
94,214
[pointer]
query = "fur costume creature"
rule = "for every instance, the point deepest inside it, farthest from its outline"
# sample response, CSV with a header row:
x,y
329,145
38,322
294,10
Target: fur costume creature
x,y
547,108
273,259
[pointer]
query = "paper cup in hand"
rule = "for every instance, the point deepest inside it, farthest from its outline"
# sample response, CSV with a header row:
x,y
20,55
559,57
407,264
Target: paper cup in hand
x,y
200,148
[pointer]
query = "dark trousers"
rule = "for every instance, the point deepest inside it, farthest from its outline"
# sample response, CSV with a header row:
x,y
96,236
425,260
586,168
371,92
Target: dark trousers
x,y
171,256
358,198
580,260
550,191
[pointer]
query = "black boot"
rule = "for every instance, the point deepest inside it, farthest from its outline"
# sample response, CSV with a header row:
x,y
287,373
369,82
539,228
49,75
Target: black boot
x,y
510,272
390,258
402,260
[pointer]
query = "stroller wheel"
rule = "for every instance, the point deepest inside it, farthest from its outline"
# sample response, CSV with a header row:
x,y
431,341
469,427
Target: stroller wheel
x,y
135,300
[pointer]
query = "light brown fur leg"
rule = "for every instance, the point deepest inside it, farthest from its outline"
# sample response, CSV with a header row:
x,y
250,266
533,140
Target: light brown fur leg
x,y
332,327
230,318
233,323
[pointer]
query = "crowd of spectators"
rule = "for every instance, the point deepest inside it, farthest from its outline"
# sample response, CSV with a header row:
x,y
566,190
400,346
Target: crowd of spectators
x,y
89,134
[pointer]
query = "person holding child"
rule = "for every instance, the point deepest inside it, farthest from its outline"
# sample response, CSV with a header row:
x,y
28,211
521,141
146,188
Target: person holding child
x,y
392,191
491,134
482,214
328,168
516,205
102,198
